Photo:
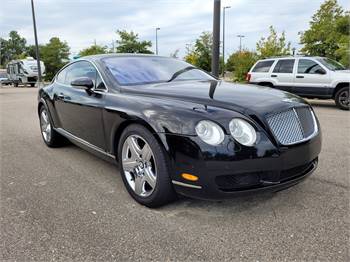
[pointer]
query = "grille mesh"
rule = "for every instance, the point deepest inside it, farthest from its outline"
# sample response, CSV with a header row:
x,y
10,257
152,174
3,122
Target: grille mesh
x,y
292,126
306,120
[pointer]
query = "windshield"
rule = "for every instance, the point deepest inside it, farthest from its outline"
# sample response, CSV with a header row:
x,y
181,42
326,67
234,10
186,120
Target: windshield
x,y
145,70
331,64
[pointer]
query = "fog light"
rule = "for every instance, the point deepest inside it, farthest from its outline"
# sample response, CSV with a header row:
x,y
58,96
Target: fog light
x,y
189,177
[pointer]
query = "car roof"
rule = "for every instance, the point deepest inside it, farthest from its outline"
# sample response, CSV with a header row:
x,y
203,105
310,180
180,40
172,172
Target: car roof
x,y
102,56
289,57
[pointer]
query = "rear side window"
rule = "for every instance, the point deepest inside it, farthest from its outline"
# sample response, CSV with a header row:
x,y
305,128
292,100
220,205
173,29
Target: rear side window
x,y
263,66
284,66
307,66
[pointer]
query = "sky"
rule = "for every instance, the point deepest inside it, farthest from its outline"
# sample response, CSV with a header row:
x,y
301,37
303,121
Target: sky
x,y
81,22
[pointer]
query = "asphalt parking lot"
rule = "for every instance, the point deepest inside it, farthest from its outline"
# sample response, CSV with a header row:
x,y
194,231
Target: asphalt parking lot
x,y
66,204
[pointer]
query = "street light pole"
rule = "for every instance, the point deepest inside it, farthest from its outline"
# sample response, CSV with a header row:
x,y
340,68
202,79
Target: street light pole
x,y
157,40
36,44
223,38
216,38
240,42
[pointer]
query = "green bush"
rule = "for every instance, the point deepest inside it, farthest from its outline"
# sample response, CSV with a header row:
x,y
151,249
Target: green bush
x,y
239,63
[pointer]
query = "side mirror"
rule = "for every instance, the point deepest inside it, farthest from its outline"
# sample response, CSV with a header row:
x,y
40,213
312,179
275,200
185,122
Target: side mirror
x,y
83,83
321,71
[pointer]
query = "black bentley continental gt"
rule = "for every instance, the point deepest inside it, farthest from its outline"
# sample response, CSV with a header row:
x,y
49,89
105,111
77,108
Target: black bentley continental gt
x,y
175,129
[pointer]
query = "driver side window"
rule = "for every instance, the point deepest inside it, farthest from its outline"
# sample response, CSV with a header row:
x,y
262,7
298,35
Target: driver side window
x,y
80,69
307,66
76,70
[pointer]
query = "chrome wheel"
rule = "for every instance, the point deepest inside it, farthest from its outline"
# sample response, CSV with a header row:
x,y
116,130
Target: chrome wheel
x,y
344,98
139,165
45,126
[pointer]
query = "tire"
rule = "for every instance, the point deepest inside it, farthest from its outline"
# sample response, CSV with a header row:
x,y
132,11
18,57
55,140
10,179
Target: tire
x,y
145,170
49,135
342,98
15,84
32,84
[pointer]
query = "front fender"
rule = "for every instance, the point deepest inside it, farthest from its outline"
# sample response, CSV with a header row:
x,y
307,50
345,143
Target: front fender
x,y
163,115
336,82
158,115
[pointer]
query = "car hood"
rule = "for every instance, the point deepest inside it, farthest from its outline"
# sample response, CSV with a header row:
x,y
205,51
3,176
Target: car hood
x,y
244,98
343,71
341,75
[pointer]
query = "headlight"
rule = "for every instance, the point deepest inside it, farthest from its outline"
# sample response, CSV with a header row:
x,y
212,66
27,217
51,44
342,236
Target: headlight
x,y
210,132
242,132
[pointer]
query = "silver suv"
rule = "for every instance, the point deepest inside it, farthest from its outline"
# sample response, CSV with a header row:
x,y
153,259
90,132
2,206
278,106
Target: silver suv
x,y
312,77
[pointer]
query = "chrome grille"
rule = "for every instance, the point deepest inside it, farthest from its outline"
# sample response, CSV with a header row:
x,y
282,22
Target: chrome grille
x,y
293,126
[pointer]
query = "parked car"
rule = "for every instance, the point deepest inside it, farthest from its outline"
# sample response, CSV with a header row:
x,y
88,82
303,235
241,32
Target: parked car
x,y
4,79
24,71
174,128
312,77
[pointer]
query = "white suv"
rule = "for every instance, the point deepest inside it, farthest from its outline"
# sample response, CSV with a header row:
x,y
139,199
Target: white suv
x,y
312,77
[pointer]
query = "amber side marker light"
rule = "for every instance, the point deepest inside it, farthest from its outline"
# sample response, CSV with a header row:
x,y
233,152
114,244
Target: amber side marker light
x,y
189,177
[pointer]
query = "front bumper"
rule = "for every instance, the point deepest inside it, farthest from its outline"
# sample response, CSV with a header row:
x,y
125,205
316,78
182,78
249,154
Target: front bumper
x,y
232,169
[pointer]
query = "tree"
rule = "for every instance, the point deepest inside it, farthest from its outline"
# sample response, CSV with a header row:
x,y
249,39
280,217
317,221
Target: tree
x,y
273,45
328,34
3,52
55,55
129,43
30,50
191,56
343,52
16,45
94,50
240,63
12,48
203,48
200,54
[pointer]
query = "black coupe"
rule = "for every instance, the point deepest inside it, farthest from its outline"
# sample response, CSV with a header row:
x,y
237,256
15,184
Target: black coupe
x,y
174,128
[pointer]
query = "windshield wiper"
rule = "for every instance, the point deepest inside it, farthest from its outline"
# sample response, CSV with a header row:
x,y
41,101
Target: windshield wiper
x,y
176,74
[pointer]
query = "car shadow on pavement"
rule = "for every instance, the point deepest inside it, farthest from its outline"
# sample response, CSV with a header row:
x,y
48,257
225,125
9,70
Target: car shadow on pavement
x,y
112,173
268,203
240,202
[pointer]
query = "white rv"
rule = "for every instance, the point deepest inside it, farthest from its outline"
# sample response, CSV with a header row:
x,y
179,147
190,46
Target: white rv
x,y
24,71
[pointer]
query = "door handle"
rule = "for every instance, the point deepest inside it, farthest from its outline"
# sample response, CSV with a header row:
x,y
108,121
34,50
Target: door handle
x,y
61,96
299,76
273,75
